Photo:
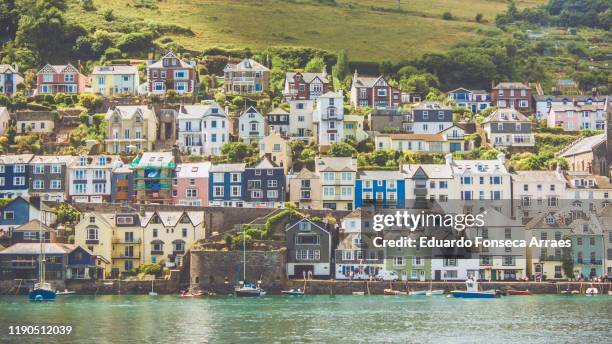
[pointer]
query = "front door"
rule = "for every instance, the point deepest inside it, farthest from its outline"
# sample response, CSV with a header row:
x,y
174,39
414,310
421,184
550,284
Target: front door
x,y
301,271
437,275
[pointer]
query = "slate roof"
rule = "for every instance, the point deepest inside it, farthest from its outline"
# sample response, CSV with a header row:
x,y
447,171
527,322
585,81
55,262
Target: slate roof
x,y
582,145
34,248
246,65
114,70
16,159
511,85
239,167
308,77
506,115
193,170
336,164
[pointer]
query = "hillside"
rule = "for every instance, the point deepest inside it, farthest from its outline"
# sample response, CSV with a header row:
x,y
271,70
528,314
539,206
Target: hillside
x,y
369,30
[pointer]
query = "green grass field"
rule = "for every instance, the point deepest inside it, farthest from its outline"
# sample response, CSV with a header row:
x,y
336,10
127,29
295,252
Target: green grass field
x,y
369,30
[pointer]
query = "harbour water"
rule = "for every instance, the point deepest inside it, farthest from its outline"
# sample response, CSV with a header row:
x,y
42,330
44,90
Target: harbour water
x,y
278,319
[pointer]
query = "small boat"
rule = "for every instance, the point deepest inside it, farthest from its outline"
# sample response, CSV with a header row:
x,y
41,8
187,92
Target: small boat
x,y
359,293
393,292
293,292
472,292
65,292
195,293
434,292
42,290
592,291
417,293
519,292
249,290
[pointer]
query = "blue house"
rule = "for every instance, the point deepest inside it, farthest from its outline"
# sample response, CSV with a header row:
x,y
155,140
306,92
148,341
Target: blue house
x,y
225,185
265,184
14,175
18,212
473,100
30,232
384,188
587,248
62,262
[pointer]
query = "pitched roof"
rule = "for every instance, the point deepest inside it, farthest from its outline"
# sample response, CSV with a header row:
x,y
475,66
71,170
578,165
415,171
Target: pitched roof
x,y
379,174
171,218
52,159
34,248
161,159
569,98
58,69
366,81
33,225
417,137
16,159
237,167
506,115
114,70
246,65
511,85
308,77
597,106
582,145
336,164
537,176
427,105
193,170
278,111
4,68
127,112
201,110
30,115
264,163
433,171
305,174
160,63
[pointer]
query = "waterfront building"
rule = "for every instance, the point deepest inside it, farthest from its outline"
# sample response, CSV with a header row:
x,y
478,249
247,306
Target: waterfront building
x,y
62,262
410,263
153,175
115,80
130,128
309,249
202,129
89,178
14,175
278,150
305,189
226,185
337,177
588,187
264,185
190,187
167,235
115,237
30,232
587,237
380,188
428,182
356,257
17,212
538,191
546,263
508,128
48,176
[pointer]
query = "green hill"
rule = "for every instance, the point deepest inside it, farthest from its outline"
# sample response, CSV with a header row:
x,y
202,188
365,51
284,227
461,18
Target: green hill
x,y
369,30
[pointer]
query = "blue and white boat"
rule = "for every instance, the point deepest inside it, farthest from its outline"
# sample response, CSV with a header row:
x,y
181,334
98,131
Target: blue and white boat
x,y
472,292
42,290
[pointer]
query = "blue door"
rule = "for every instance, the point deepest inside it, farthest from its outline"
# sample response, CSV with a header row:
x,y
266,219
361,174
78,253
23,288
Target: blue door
x,y
455,147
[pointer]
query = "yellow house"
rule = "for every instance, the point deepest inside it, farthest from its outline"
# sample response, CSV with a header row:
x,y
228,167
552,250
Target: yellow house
x,y
305,190
353,128
130,128
115,80
277,149
546,262
337,175
116,237
167,235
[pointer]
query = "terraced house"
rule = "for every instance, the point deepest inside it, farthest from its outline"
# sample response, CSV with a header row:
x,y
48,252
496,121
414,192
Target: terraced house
x,y
53,79
546,263
264,185
153,175
202,129
309,249
337,182
246,77
380,188
89,178
131,128
14,175
49,175
115,80
167,235
171,73
190,186
226,185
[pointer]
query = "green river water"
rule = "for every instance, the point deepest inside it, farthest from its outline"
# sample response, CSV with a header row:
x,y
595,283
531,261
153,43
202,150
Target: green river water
x,y
320,319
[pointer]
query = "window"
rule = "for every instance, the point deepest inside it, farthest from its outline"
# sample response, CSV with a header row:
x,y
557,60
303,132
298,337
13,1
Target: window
x,y
9,215
68,77
192,193
307,254
235,191
56,169
92,233
272,183
417,261
19,169
272,194
443,185
99,188
466,180
235,177
382,92
56,184
307,239
218,191
398,261
39,169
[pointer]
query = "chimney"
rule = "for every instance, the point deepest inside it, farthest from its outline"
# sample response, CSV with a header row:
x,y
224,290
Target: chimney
x,y
355,75
502,158
142,211
16,68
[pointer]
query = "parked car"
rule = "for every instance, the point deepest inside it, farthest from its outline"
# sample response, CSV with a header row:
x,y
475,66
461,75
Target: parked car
x,y
384,275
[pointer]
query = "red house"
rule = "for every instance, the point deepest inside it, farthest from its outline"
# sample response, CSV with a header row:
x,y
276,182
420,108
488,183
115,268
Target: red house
x,y
511,95
305,86
374,92
171,73
52,79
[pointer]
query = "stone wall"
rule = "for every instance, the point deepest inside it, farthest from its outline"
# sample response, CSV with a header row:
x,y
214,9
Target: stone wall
x,y
220,271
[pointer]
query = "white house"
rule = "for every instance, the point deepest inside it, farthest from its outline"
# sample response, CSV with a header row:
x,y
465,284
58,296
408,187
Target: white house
x,y
328,118
5,118
545,102
89,178
9,79
251,126
300,119
202,129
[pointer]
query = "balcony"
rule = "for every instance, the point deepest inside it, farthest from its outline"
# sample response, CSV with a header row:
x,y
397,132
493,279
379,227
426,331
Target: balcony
x,y
157,253
243,80
127,242
92,242
126,256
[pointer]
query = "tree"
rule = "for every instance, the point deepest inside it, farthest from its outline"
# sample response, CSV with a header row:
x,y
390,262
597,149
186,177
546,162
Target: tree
x,y
478,17
108,15
150,269
341,69
238,151
315,65
341,149
67,213
90,101
567,261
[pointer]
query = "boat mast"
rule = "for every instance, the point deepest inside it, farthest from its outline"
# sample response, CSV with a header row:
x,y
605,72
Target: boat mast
x,y
41,258
243,254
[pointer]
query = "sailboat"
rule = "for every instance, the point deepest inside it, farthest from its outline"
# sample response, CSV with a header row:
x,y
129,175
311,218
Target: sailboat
x,y
247,288
42,290
152,292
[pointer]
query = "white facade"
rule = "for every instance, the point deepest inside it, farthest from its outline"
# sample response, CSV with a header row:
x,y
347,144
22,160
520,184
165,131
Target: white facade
x,y
329,118
300,119
5,118
454,269
202,129
251,126
9,79
544,103
109,80
89,178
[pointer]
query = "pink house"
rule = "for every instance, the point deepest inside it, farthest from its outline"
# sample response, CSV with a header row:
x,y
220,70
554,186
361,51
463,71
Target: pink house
x,y
190,187
575,117
53,79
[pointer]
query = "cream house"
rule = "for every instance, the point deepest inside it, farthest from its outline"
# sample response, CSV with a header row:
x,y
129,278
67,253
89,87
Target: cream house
x,y
167,235
277,149
337,181
305,189
131,128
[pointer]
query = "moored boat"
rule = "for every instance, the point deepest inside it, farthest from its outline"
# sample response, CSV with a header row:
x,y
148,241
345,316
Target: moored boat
x,y
592,291
519,292
417,292
195,293
42,290
249,290
434,292
472,292
359,293
293,292
65,292
393,292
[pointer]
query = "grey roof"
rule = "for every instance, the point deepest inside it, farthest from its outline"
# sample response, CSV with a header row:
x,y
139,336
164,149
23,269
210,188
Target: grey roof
x,y
506,115
16,159
128,111
511,85
29,115
569,98
278,111
537,176
34,248
160,64
308,77
430,106
380,174
582,145
433,171
365,81
246,65
336,164
265,163
155,158
52,159
114,70
200,111
33,225
228,168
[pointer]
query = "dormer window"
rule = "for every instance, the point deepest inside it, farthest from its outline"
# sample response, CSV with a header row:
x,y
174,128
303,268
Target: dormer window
x,y
83,161
102,160
550,220
138,119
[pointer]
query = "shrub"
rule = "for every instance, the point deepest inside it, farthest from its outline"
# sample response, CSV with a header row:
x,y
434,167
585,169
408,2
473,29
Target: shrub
x,y
478,17
150,269
108,15
447,16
